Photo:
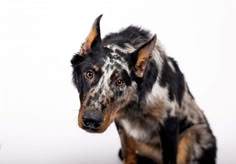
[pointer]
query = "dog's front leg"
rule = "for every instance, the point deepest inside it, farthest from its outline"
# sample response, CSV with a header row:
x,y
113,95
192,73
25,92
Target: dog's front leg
x,y
128,146
129,150
169,140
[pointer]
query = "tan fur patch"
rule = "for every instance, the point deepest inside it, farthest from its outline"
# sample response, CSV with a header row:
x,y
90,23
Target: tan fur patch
x,y
184,148
96,68
91,37
143,56
154,153
130,151
141,64
87,45
80,117
108,119
156,111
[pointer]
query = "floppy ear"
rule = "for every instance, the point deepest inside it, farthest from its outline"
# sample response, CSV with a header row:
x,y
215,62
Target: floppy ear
x,y
141,55
93,37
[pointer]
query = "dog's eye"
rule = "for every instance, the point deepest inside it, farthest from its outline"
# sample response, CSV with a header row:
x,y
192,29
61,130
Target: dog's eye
x,y
120,83
89,75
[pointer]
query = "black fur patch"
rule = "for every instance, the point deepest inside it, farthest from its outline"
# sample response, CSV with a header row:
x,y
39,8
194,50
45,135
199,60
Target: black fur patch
x,y
169,133
184,124
190,93
208,156
173,80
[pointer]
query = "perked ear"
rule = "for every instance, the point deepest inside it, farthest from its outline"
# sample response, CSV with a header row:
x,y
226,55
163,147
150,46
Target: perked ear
x,y
141,56
94,36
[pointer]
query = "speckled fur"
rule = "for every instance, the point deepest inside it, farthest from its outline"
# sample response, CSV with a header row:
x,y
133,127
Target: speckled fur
x,y
155,113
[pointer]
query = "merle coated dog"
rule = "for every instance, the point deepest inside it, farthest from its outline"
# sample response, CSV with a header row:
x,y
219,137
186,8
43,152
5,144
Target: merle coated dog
x,y
127,78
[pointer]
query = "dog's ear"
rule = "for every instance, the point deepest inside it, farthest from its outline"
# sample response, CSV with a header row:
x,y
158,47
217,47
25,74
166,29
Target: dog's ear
x,y
141,55
93,39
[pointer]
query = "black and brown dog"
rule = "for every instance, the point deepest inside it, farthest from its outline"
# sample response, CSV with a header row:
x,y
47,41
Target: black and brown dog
x,y
127,78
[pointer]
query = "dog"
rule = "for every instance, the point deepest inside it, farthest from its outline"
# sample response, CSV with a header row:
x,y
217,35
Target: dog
x,y
127,78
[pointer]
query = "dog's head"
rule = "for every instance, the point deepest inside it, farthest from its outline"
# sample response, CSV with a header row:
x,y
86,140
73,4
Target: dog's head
x,y
106,79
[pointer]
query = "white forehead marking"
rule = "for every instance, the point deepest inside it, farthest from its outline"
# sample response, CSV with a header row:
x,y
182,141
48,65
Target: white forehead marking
x,y
109,65
128,48
108,68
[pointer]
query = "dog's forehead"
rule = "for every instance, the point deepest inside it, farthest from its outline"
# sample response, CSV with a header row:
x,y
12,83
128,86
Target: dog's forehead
x,y
115,61
112,63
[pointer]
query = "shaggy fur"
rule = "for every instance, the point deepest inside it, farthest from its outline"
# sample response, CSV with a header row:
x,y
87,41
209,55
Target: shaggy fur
x,y
127,78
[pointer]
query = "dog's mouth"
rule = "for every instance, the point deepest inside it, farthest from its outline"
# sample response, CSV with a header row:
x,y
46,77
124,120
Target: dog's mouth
x,y
100,129
90,130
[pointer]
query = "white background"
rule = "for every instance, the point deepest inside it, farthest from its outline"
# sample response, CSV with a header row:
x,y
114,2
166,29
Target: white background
x,y
39,105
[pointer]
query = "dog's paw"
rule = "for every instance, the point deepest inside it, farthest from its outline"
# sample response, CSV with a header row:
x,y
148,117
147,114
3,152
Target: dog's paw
x,y
144,160
140,159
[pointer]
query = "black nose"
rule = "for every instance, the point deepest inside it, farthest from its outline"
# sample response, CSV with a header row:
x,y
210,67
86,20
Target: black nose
x,y
92,119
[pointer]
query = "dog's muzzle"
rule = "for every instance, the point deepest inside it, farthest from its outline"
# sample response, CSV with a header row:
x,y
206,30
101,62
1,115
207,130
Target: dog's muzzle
x,y
92,120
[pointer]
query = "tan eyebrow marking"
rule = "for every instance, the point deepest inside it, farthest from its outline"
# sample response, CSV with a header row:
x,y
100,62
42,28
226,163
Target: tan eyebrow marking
x,y
96,68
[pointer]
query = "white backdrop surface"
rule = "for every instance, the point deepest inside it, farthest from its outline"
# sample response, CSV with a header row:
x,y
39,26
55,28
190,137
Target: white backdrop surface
x,y
39,105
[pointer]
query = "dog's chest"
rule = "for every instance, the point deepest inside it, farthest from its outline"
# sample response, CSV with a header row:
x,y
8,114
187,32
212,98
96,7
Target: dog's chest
x,y
141,130
134,130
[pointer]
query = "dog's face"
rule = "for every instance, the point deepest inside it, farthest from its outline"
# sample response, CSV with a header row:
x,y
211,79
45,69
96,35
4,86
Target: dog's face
x,y
105,79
